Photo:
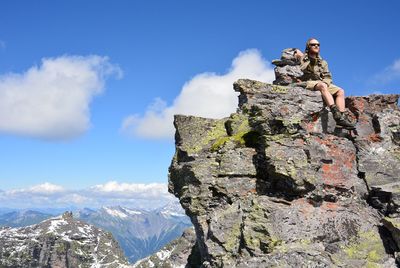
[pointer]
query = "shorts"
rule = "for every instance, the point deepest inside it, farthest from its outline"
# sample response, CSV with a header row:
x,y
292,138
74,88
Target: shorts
x,y
332,88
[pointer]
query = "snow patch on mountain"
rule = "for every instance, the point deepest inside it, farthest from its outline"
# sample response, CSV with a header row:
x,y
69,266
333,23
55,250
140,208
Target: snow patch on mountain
x,y
133,212
115,212
163,254
55,224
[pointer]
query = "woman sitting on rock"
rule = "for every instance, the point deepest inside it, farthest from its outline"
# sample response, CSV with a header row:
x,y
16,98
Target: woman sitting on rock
x,y
316,74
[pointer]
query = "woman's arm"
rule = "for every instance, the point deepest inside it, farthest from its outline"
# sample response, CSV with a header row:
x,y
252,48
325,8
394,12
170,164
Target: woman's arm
x,y
326,74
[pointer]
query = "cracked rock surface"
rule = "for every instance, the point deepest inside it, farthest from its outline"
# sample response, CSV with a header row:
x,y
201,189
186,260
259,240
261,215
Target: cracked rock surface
x,y
276,185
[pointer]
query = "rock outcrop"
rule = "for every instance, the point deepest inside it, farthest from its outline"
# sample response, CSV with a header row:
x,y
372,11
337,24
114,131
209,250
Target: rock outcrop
x,y
276,185
177,253
59,242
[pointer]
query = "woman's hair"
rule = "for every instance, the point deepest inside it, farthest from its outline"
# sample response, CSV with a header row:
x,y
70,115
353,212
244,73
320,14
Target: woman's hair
x,y
308,44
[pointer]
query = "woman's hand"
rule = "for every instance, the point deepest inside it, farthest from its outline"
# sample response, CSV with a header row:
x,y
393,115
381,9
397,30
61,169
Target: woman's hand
x,y
298,54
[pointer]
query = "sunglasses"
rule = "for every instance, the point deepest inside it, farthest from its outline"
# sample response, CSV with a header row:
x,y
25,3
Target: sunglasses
x,y
314,45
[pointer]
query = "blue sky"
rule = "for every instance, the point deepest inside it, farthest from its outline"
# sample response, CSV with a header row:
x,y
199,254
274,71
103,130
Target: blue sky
x,y
88,88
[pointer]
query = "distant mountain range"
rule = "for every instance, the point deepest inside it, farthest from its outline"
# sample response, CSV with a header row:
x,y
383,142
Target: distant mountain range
x,y
22,218
139,232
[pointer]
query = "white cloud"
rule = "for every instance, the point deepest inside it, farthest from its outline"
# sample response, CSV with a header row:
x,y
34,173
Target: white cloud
x,y
41,189
389,74
2,44
74,199
110,193
207,95
51,101
47,188
114,189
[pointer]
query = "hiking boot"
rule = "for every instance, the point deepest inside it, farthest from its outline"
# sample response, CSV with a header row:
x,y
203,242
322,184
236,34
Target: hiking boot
x,y
341,118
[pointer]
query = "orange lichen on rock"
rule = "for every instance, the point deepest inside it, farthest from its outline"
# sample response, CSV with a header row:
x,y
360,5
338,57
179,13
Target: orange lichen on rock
x,y
331,206
375,137
342,161
356,105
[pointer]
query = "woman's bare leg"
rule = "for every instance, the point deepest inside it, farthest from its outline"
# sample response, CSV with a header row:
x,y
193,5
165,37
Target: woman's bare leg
x,y
326,95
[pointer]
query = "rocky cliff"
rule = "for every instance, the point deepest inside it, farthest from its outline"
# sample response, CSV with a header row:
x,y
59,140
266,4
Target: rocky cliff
x,y
277,185
59,242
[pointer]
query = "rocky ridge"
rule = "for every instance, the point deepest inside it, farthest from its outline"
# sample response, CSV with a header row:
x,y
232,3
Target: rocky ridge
x,y
277,185
177,253
59,242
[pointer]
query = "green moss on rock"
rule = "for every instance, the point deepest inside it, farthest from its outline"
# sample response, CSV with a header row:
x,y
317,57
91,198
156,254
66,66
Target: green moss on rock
x,y
257,231
238,139
233,237
238,131
394,222
279,89
368,247
196,206
216,132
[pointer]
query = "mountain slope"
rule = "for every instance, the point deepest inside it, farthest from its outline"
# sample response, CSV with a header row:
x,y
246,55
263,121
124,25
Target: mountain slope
x,y
59,242
139,232
177,253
